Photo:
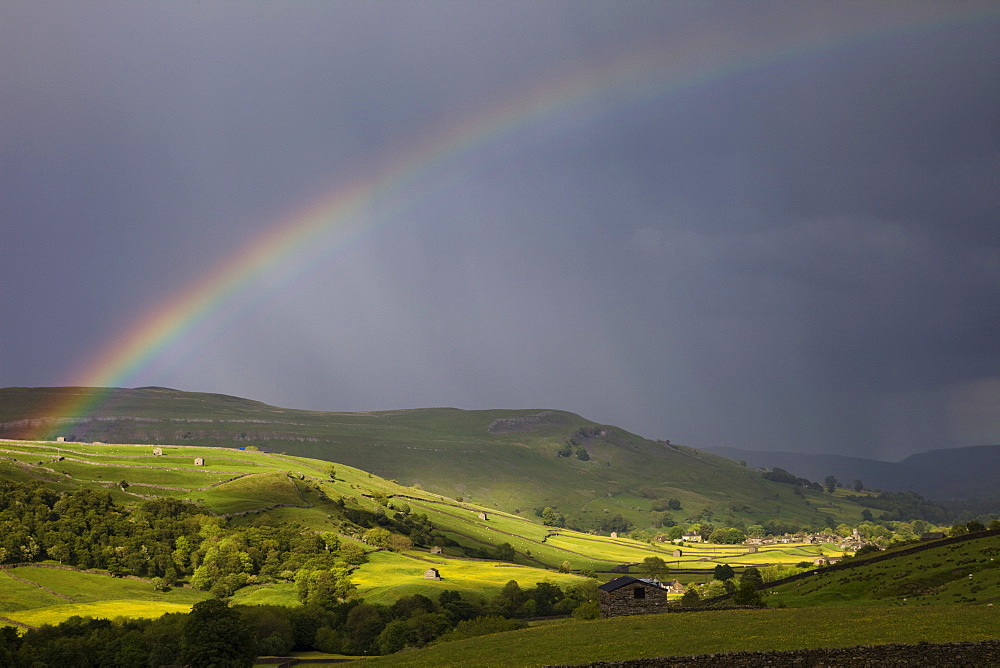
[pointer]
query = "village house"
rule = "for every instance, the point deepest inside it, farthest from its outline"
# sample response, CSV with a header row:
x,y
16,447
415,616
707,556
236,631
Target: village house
x,y
631,596
826,561
692,537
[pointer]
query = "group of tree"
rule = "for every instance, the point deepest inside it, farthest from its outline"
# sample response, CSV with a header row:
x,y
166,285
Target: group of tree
x,y
216,634
171,541
744,589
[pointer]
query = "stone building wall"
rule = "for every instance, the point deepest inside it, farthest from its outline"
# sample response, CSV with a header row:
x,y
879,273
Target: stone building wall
x,y
622,601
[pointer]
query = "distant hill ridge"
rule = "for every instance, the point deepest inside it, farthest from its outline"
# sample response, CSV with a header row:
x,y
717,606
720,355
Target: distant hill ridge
x,y
954,473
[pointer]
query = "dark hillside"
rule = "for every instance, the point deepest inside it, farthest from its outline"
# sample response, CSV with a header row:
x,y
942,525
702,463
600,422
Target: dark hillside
x,y
955,473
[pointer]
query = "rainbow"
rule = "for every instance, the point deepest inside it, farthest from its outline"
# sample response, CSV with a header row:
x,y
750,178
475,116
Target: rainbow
x,y
332,222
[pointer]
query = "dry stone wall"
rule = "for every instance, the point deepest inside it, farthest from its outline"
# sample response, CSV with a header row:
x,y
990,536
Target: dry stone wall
x,y
921,655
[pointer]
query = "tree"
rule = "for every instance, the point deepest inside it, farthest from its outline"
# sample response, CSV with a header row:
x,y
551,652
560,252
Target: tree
x,y
331,471
752,574
399,543
746,594
216,635
655,567
858,486
552,518
505,552
674,504
615,523
352,553
508,602
867,549
377,537
727,536
723,572
690,598
830,483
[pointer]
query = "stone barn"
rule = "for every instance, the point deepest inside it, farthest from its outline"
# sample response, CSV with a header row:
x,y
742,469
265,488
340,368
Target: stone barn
x,y
157,452
432,574
199,461
482,516
631,596
678,553
436,549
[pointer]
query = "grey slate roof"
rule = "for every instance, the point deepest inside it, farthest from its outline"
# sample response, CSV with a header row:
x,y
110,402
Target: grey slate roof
x,y
618,583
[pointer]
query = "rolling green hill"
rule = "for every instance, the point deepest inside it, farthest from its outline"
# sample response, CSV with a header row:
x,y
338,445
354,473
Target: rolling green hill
x,y
260,491
963,572
507,460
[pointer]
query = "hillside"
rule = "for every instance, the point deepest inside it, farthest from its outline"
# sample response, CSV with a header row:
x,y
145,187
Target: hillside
x,y
956,571
79,513
505,459
952,474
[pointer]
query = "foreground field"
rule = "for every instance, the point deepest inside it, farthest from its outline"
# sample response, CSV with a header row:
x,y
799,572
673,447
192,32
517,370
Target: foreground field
x,y
680,634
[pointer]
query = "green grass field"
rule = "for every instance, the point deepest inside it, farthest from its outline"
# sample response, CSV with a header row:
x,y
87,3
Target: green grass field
x,y
645,636
939,575
108,609
389,575
92,595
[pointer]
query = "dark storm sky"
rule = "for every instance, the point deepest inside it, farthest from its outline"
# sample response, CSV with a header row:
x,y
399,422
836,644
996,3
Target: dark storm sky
x,y
800,252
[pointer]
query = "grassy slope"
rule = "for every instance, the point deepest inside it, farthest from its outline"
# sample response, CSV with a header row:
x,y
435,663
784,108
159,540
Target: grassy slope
x,y
453,453
625,638
935,576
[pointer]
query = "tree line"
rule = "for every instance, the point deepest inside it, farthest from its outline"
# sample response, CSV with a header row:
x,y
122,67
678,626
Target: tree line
x,y
216,634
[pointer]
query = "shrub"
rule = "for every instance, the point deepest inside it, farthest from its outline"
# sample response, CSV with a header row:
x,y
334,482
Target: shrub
x,y
588,610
